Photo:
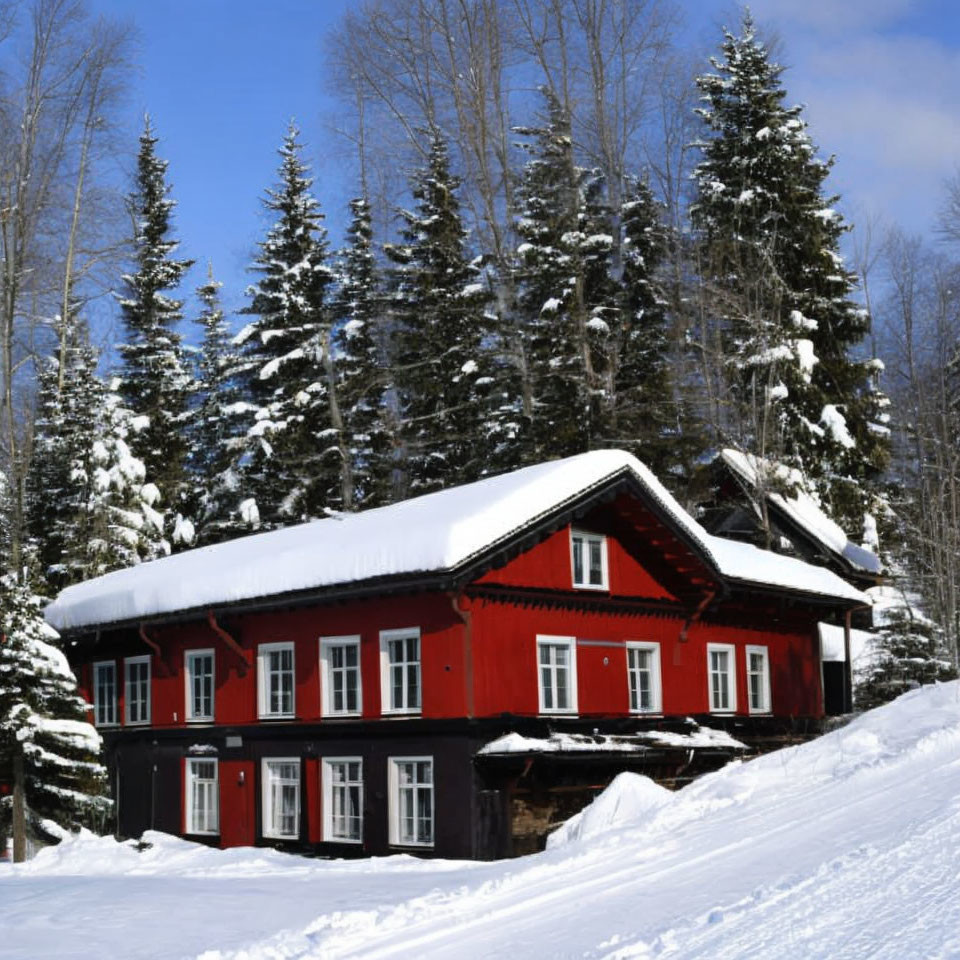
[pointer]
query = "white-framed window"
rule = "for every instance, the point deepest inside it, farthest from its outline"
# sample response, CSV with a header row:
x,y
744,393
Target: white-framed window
x,y
343,799
275,679
557,669
203,796
105,693
588,557
643,677
200,683
280,800
400,671
341,693
411,801
721,677
137,689
758,679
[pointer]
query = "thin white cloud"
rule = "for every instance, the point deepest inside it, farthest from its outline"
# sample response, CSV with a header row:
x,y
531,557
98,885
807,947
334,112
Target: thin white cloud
x,y
832,15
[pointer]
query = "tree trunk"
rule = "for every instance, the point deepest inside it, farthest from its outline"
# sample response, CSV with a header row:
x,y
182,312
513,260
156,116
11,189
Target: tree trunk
x,y
19,811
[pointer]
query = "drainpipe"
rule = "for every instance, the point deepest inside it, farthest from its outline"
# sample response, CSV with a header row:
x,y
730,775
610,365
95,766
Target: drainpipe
x,y
848,673
465,615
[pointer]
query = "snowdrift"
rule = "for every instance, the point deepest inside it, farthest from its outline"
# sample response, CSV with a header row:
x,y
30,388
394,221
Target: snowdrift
x,y
846,847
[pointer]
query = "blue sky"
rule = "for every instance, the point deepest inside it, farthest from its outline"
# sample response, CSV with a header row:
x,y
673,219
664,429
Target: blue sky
x,y
221,78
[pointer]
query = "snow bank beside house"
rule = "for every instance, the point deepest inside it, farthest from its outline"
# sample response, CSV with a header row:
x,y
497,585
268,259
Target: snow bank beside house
x,y
630,798
436,533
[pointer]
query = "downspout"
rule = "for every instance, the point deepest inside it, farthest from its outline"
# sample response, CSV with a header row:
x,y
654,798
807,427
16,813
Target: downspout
x,y
848,673
227,639
466,618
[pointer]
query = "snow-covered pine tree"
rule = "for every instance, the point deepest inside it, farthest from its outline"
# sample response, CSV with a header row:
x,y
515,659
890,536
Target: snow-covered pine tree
x,y
154,379
556,410
90,507
908,649
216,427
366,440
45,739
645,417
291,462
438,306
768,251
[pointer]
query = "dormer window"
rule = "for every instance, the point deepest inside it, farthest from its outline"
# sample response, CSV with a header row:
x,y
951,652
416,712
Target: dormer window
x,y
588,553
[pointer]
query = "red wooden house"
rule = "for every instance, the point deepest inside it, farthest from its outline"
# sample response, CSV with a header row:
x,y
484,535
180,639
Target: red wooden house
x,y
447,675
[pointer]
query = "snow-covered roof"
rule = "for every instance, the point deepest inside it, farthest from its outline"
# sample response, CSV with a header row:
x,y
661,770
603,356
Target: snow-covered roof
x,y
437,533
804,511
697,736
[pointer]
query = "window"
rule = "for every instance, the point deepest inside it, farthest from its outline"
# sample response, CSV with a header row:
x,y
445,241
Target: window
x,y
203,796
199,680
343,799
643,676
137,689
340,693
105,693
281,798
589,557
411,801
400,671
758,679
557,662
275,679
723,682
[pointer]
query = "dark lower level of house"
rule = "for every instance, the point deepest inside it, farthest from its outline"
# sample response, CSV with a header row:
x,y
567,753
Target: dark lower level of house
x,y
359,788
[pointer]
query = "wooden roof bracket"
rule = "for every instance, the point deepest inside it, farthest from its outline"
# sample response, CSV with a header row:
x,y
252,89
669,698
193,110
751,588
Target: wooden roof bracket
x,y
705,602
227,639
150,642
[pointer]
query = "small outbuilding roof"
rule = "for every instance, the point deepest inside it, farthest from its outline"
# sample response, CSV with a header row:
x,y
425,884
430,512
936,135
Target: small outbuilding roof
x,y
436,534
804,513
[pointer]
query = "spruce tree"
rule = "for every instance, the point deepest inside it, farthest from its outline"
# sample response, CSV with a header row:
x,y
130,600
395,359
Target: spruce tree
x,y
154,379
437,301
646,417
291,457
768,248
367,447
216,425
44,736
556,412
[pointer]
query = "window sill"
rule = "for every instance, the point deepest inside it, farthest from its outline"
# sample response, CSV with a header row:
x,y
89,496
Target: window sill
x,y
343,715
592,586
396,845
198,720
277,716
343,840
202,833
418,712
285,836
136,723
558,713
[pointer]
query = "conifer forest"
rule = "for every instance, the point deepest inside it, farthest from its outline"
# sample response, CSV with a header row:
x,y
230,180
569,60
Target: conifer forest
x,y
567,232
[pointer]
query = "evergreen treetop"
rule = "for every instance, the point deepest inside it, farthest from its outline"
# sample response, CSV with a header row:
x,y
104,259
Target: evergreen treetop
x,y
154,381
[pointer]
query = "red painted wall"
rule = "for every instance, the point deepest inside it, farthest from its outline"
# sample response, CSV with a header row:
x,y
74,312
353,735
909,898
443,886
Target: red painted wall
x,y
505,660
548,565
235,702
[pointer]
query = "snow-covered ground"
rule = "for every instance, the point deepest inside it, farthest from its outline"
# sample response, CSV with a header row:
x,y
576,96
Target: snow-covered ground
x,y
847,847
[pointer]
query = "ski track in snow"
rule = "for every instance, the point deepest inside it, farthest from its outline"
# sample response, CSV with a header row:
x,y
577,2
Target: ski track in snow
x,y
846,848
